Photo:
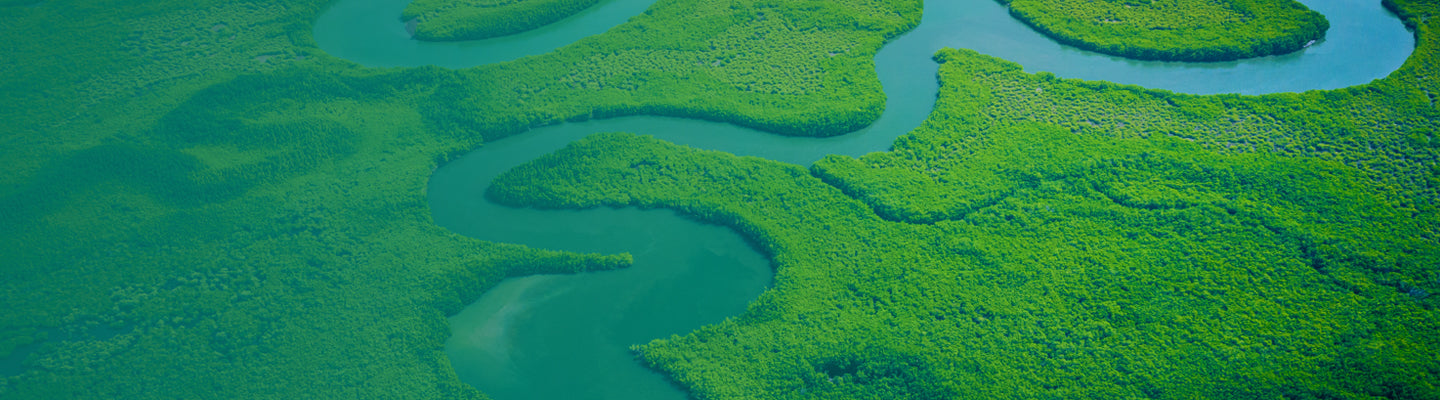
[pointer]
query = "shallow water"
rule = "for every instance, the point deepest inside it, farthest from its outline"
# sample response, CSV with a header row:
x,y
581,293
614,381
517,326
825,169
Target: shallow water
x,y
567,337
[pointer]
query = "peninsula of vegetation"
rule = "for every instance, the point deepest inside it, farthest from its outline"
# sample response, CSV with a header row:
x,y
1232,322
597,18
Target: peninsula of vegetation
x,y
1176,30
455,20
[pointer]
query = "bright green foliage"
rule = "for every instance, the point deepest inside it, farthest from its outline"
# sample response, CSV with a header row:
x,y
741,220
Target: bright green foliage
x,y
447,20
1042,237
1177,30
1386,130
792,68
1119,268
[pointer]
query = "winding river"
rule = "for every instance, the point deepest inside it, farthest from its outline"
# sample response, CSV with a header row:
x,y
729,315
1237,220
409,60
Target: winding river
x,y
568,336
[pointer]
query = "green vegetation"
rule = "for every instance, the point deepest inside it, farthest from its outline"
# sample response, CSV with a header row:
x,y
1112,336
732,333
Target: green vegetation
x,y
448,20
1044,237
800,69
1108,267
1175,30
1385,130
199,204
287,238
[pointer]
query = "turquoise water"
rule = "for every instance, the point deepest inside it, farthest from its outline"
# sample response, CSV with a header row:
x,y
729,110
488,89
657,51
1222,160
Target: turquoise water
x,y
567,337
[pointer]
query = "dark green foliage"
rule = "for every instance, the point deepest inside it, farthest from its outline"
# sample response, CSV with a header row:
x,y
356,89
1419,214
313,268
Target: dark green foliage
x,y
1176,30
160,173
452,20
259,229
875,371
232,118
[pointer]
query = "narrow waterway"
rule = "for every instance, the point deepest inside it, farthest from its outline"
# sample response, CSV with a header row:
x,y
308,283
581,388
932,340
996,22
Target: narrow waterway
x,y
568,337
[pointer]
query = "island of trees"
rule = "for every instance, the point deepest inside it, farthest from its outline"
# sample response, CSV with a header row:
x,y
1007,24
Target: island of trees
x,y
455,20
1176,30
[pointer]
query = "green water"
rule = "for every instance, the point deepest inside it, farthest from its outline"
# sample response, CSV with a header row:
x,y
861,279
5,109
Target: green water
x,y
567,337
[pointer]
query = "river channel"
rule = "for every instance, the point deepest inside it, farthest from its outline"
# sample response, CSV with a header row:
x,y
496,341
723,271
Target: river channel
x,y
568,336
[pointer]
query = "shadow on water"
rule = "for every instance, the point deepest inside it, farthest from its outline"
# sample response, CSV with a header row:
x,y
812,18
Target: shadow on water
x,y
553,337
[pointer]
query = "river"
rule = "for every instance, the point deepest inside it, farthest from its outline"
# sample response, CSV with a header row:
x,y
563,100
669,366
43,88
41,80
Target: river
x,y
568,336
